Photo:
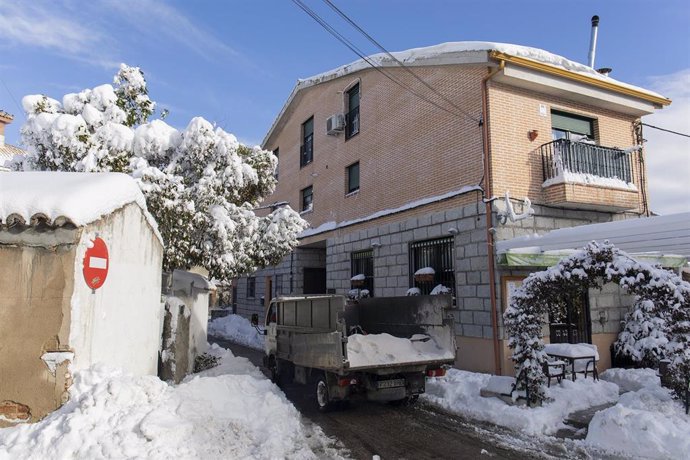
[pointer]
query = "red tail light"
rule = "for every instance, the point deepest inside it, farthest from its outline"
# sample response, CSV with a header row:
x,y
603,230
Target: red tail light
x,y
436,372
345,382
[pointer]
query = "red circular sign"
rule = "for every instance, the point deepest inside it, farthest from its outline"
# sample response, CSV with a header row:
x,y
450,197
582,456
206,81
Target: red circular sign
x,y
96,264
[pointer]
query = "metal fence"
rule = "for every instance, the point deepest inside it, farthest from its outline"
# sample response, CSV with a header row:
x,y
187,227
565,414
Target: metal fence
x,y
563,155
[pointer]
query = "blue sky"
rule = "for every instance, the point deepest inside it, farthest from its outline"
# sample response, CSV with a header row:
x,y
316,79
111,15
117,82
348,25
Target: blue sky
x,y
235,62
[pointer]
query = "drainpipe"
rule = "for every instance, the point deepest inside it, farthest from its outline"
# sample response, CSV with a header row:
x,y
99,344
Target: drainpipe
x,y
489,220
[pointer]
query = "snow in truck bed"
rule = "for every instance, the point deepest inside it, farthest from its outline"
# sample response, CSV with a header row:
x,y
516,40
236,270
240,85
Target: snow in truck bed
x,y
384,349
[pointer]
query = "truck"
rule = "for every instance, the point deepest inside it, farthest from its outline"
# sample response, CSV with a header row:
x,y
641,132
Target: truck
x,y
380,349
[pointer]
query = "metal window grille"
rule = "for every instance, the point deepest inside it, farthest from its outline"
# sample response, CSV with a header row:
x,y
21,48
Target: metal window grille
x,y
437,254
362,262
578,157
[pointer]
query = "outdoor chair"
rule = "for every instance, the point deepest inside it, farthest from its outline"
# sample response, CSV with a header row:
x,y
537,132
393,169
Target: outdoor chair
x,y
554,369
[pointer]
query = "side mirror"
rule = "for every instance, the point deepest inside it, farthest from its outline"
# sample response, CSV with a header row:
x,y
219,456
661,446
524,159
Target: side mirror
x,y
255,320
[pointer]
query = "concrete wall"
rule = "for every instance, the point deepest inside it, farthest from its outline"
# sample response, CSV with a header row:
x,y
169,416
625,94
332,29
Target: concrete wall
x,y
36,285
120,323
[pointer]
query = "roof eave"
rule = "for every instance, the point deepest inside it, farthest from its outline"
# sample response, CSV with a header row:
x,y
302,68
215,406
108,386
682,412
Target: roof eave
x,y
564,73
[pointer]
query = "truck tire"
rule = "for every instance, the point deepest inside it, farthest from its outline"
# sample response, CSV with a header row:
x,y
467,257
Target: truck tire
x,y
321,393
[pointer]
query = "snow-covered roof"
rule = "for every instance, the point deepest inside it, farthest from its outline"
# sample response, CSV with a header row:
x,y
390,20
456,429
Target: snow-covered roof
x,y
7,152
660,235
452,53
58,198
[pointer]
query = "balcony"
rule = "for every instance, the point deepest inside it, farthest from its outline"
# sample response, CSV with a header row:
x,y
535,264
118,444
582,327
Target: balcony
x,y
584,175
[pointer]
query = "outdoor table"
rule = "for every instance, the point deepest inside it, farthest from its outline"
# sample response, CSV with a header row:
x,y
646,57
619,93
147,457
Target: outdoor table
x,y
572,352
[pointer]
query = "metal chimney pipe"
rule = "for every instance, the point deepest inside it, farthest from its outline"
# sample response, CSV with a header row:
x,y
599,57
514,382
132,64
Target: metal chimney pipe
x,y
593,40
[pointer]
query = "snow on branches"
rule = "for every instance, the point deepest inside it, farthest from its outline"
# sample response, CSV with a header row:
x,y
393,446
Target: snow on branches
x,y
200,183
658,326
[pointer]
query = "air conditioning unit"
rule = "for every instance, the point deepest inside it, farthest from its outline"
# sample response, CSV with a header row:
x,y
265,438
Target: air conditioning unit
x,y
335,124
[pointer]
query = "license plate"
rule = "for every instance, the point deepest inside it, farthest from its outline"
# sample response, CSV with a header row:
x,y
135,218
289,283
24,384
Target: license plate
x,y
390,383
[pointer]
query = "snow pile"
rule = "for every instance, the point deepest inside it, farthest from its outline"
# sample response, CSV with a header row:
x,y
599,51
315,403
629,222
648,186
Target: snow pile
x,y
645,423
459,390
631,379
81,198
425,271
382,349
440,289
359,277
228,412
237,329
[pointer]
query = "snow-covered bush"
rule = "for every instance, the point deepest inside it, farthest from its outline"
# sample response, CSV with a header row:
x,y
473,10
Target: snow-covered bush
x,y
643,338
546,291
200,183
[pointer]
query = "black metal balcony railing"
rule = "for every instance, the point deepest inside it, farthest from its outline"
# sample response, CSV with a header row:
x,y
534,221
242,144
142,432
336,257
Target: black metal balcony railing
x,y
352,122
563,155
307,150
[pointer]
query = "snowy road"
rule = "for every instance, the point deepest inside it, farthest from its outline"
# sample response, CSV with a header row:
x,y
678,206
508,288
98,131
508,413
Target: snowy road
x,y
419,432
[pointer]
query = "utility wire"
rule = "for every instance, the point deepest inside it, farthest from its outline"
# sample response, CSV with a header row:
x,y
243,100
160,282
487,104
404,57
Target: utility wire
x,y
21,112
397,61
361,54
666,130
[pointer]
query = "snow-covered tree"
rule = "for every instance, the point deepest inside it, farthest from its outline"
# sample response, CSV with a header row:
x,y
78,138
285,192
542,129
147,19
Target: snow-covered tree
x,y
659,294
200,183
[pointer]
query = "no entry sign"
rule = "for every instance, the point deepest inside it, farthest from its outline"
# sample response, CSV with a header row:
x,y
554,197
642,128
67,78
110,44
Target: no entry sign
x,y
96,264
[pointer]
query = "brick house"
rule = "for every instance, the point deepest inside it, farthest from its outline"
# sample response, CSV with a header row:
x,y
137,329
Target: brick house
x,y
392,183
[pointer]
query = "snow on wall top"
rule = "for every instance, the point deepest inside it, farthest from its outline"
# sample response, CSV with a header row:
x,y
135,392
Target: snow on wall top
x,y
61,197
451,53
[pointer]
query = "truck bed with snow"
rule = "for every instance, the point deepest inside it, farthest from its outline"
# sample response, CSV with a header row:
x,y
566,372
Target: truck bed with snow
x,y
379,348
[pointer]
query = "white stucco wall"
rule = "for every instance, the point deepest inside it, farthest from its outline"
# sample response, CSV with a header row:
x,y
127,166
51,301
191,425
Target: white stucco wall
x,y
193,289
120,324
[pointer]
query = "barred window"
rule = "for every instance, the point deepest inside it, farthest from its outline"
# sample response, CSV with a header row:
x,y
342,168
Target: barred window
x,y
362,263
437,254
251,287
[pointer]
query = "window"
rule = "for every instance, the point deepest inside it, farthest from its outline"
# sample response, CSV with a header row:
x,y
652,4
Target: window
x,y
437,254
251,287
276,152
352,117
307,199
353,178
307,148
278,287
572,127
362,263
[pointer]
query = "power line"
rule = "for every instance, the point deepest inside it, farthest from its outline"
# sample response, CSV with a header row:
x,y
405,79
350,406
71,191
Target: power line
x,y
397,61
359,53
21,112
666,130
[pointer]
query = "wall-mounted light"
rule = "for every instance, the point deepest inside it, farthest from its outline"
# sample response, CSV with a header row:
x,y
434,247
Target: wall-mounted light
x,y
375,244
603,317
533,134
453,231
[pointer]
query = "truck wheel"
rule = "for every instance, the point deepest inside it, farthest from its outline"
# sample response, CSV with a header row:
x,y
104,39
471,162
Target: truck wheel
x,y
323,399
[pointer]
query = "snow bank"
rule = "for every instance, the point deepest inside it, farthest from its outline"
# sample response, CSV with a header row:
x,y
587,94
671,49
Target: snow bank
x,y
459,392
382,349
645,423
228,412
237,329
631,379
80,197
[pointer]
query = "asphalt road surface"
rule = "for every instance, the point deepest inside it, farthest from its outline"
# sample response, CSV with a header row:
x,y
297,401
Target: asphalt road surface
x,y
418,432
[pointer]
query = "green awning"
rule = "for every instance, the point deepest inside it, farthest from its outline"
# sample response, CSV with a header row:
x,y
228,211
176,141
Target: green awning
x,y
550,258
